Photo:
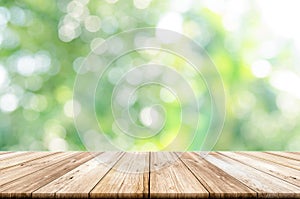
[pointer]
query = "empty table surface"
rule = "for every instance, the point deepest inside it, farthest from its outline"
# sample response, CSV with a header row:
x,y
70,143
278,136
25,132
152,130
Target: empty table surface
x,y
149,175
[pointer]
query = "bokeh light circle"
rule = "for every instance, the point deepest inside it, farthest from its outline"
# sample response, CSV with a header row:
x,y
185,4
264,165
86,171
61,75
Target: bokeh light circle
x,y
113,119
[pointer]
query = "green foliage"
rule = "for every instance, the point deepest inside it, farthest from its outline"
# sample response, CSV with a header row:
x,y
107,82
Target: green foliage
x,y
259,69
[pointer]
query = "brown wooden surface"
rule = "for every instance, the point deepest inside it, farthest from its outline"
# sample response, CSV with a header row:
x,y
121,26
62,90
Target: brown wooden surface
x,y
290,155
128,178
170,178
212,177
149,175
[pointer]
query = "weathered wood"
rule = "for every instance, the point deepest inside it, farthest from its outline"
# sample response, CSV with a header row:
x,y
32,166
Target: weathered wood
x,y
23,169
23,158
81,180
129,178
212,177
276,159
291,155
285,173
264,184
5,152
5,157
24,186
149,175
170,178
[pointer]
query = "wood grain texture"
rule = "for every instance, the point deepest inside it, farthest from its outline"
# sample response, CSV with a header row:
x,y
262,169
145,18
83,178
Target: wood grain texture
x,y
276,159
264,184
5,152
149,175
81,180
23,187
170,178
212,177
129,178
25,157
285,173
4,157
291,155
23,169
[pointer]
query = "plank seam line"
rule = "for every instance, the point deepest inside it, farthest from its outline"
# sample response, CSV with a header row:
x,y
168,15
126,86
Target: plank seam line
x,y
66,173
276,163
209,195
237,179
16,155
78,154
149,174
5,152
29,173
27,161
278,155
256,193
259,170
89,194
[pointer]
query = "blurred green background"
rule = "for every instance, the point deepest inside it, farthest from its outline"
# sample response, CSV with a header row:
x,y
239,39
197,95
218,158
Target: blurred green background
x,y
254,44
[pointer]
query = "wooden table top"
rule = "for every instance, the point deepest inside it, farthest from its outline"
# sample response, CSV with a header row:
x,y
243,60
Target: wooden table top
x,y
150,174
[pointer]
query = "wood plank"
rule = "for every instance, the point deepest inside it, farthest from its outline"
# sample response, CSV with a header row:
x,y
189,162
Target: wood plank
x,y
285,173
26,157
23,169
170,178
155,175
216,181
4,152
276,159
291,155
23,187
264,184
80,181
128,178
5,157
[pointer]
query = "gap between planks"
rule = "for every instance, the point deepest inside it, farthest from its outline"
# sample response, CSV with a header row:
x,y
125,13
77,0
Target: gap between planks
x,y
183,178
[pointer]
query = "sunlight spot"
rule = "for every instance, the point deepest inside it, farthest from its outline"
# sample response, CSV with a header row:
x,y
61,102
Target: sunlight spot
x,y
261,68
8,102
286,81
166,95
72,108
3,76
141,4
145,116
92,23
58,144
170,21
